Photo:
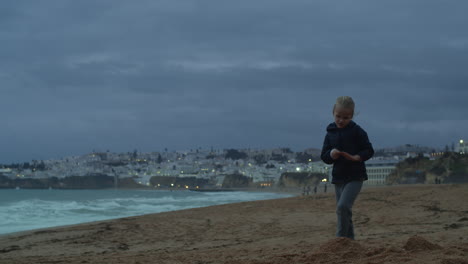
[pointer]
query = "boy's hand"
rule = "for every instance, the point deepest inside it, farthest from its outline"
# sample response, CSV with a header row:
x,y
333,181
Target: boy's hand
x,y
335,154
350,157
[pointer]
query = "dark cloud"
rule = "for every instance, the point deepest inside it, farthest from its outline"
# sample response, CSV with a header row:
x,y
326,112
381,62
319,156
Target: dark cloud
x,y
84,75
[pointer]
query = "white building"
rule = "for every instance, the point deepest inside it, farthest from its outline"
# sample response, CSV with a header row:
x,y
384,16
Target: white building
x,y
319,167
7,172
462,147
378,171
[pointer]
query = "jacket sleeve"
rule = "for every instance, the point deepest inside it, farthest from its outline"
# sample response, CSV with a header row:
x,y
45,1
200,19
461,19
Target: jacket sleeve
x,y
326,149
366,150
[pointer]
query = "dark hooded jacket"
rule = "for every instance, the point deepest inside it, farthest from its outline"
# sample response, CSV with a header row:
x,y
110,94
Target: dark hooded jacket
x,y
353,140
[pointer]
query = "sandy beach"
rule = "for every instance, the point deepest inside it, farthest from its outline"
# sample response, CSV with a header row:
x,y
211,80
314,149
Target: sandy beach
x,y
395,224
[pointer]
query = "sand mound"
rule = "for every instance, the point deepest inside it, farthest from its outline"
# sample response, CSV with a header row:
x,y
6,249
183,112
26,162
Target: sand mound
x,y
334,251
417,243
341,245
454,261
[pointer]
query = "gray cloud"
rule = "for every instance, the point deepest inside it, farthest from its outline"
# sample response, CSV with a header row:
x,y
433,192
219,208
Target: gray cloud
x,y
118,75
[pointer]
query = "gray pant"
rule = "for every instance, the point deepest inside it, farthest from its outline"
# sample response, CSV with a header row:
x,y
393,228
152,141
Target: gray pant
x,y
345,196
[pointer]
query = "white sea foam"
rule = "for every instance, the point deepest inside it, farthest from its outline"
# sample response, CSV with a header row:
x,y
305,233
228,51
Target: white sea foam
x,y
31,209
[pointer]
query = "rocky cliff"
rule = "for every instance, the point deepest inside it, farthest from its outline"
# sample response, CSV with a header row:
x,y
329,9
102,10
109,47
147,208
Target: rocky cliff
x,y
450,168
300,179
237,181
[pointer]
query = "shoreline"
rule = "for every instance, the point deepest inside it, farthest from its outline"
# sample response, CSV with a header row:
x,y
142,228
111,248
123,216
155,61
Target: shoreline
x,y
252,197
293,192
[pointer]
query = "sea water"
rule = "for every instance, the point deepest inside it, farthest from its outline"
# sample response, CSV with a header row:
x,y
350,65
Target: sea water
x,y
22,209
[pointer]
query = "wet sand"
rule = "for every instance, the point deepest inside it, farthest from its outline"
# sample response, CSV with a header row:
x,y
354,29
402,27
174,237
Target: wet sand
x,y
396,224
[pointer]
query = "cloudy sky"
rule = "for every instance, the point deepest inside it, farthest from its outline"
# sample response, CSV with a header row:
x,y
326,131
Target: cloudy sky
x,y
119,75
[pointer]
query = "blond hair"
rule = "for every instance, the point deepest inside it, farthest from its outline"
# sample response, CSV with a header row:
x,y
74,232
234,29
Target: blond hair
x,y
344,102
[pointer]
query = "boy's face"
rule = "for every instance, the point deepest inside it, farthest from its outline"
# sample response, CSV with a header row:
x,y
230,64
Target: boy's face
x,y
342,116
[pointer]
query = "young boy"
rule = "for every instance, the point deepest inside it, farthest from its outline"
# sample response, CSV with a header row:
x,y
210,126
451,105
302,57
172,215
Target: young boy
x,y
347,147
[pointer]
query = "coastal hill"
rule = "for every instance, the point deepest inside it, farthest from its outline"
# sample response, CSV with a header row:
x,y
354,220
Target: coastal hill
x,y
260,165
230,168
450,168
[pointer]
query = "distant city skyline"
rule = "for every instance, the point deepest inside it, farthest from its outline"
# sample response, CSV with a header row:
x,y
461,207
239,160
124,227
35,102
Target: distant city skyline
x,y
116,75
399,148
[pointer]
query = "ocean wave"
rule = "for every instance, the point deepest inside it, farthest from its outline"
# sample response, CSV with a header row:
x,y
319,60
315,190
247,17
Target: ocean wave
x,y
33,209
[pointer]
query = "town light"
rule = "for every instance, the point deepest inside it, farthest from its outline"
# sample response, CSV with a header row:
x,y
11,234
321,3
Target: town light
x,y
324,180
461,141
298,169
